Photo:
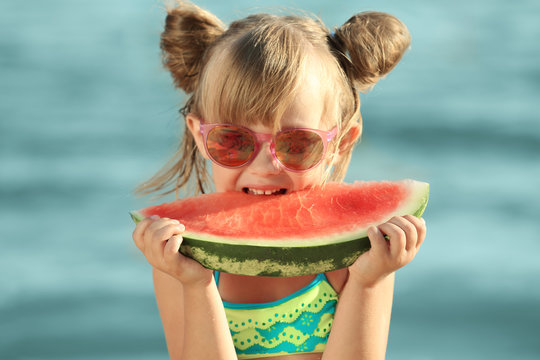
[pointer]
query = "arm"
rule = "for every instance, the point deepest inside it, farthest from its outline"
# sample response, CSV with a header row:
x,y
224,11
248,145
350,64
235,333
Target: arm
x,y
362,320
202,331
170,301
188,300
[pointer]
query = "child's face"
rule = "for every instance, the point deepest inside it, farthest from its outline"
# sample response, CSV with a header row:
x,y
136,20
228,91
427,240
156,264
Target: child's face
x,y
264,173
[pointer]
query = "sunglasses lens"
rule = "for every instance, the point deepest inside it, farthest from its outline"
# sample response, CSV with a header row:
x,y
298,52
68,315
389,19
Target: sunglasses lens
x,y
230,146
299,149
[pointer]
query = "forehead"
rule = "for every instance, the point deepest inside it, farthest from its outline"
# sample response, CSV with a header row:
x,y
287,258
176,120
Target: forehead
x,y
308,107
231,96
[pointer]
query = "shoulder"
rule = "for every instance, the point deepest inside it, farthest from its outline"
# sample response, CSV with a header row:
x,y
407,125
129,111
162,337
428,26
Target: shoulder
x,y
338,278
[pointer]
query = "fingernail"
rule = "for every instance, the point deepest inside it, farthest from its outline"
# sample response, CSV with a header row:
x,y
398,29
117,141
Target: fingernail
x,y
154,217
174,221
181,227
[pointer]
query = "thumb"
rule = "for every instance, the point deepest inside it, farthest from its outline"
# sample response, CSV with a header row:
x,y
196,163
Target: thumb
x,y
172,252
172,247
377,240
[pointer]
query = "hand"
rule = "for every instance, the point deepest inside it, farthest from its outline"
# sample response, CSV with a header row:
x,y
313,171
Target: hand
x,y
406,234
159,239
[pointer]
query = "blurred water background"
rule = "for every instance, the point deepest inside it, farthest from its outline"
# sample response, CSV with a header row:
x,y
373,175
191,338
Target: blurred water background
x,y
87,112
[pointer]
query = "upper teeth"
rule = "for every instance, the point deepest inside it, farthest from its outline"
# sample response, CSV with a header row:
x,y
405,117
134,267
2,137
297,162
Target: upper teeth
x,y
262,192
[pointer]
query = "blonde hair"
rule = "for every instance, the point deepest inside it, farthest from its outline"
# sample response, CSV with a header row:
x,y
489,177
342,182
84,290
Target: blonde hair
x,y
252,71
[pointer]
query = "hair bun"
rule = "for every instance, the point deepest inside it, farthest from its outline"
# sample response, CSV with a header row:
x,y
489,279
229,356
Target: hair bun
x,y
374,43
189,31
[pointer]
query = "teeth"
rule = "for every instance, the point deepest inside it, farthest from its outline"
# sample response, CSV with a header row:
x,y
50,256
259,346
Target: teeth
x,y
262,192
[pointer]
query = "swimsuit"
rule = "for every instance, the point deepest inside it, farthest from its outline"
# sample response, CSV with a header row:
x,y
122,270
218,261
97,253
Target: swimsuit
x,y
298,323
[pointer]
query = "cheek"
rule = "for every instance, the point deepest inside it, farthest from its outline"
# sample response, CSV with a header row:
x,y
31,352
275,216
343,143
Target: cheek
x,y
224,179
307,179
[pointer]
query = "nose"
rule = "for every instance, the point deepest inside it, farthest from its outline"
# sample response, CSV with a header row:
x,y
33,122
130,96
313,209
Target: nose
x,y
265,163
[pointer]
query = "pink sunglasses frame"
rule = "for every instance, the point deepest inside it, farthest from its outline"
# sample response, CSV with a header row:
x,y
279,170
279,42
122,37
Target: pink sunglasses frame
x,y
260,138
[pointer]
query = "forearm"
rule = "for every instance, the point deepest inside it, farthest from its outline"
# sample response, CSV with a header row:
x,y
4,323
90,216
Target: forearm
x,y
206,334
362,322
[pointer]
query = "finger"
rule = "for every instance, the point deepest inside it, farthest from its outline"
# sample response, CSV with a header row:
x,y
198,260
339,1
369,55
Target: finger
x,y
411,236
377,240
420,225
140,229
162,236
153,229
149,236
397,238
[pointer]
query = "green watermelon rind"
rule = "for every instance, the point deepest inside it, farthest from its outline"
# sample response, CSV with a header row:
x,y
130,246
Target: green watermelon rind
x,y
288,257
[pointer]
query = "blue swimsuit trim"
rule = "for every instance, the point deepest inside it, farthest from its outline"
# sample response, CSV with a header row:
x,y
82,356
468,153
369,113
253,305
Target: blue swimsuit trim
x,y
230,305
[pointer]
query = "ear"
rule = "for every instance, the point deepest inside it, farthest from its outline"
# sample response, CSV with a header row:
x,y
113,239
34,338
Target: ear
x,y
350,138
347,142
194,126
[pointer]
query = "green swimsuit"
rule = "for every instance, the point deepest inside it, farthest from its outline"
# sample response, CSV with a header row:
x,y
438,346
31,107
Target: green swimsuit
x,y
298,323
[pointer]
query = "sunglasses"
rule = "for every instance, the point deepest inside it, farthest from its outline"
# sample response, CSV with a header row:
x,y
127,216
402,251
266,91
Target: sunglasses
x,y
297,149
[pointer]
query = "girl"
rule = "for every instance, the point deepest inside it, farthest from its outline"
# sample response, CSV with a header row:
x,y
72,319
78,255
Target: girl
x,y
274,106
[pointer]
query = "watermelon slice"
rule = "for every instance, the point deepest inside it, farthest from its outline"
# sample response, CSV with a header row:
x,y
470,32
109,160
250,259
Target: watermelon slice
x,y
299,233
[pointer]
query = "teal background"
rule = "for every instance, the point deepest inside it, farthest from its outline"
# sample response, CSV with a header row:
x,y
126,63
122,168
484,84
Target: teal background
x,y
87,112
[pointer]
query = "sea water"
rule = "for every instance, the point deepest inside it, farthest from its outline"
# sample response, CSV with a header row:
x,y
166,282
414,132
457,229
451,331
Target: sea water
x,y
87,112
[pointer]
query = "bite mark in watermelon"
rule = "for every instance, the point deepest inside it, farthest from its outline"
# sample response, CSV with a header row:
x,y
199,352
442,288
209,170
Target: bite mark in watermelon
x,y
299,233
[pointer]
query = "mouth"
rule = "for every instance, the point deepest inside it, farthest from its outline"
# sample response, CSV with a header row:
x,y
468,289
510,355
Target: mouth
x,y
252,191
